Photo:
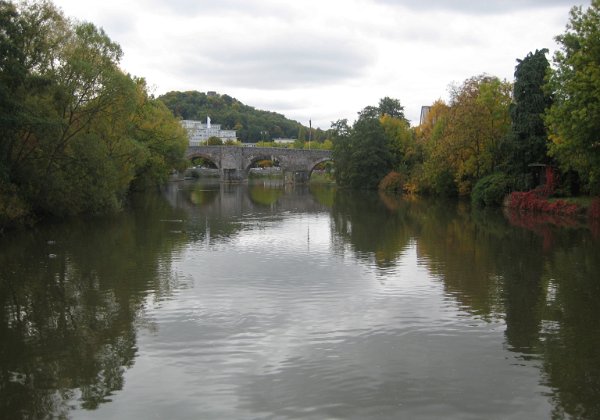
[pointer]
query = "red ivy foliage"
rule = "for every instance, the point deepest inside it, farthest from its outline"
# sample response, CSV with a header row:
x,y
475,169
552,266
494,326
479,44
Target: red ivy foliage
x,y
594,210
551,179
536,201
594,217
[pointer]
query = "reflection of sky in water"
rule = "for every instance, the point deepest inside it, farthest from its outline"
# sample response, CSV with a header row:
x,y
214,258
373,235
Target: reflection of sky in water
x,y
281,323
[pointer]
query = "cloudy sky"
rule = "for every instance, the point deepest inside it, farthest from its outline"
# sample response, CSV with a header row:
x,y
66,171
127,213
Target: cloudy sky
x,y
323,59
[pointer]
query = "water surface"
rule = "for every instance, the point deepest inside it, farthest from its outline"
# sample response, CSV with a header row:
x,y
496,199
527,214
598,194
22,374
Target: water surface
x,y
259,301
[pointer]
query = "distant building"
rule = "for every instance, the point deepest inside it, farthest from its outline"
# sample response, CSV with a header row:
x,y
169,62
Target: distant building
x,y
424,113
199,133
283,141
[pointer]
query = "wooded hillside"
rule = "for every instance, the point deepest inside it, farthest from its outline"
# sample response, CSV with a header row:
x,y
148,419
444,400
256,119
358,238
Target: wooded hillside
x,y
251,124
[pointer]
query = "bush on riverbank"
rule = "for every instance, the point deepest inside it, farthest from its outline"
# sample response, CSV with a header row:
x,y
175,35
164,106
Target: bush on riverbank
x,y
537,201
594,209
393,182
490,190
13,209
77,132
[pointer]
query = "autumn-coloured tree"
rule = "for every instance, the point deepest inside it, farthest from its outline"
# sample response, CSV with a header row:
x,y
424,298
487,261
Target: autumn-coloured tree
x,y
478,121
437,175
76,130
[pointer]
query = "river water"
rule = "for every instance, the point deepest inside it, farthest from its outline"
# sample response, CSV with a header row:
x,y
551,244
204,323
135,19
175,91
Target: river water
x,y
259,301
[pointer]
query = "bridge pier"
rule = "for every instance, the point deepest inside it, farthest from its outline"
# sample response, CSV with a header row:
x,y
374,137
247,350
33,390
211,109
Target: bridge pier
x,y
232,175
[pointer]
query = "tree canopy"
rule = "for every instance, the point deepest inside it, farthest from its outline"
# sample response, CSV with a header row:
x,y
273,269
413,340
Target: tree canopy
x,y
376,143
527,141
77,131
252,125
574,117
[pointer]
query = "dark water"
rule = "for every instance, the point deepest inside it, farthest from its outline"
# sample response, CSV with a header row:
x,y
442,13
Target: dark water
x,y
263,302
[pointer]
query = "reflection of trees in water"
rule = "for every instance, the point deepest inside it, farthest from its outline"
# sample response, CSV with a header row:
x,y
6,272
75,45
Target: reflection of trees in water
x,y
571,326
71,296
547,294
264,195
373,231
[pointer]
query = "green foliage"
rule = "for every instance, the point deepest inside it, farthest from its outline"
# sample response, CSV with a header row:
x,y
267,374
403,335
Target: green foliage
x,y
252,125
527,140
361,154
214,141
462,141
392,108
490,190
406,152
379,141
393,182
574,118
77,131
443,184
13,209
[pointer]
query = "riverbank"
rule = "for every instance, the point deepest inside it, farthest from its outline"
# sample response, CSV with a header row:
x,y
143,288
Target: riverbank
x,y
540,200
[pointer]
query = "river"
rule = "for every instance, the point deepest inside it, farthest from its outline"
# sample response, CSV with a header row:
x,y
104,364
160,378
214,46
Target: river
x,y
258,301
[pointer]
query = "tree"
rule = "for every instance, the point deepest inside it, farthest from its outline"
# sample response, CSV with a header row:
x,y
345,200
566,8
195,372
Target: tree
x,y
362,155
251,124
438,172
573,120
401,142
478,120
391,107
76,131
301,134
214,141
527,140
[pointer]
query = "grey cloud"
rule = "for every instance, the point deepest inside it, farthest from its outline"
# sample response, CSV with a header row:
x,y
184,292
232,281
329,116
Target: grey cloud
x,y
212,7
117,25
278,64
477,6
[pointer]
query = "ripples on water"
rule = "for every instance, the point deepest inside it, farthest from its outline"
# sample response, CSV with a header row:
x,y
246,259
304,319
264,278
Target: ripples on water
x,y
278,323
280,312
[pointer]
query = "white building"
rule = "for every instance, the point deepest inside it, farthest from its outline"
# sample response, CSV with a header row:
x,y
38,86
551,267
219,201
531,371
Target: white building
x,y
198,132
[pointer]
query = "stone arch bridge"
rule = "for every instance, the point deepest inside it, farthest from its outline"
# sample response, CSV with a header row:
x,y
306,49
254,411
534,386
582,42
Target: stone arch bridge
x,y
234,162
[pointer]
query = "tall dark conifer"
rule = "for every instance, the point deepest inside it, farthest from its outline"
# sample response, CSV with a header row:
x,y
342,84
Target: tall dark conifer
x,y
528,137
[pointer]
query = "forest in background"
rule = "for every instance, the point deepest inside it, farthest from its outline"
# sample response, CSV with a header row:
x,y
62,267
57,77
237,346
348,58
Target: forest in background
x,y
252,125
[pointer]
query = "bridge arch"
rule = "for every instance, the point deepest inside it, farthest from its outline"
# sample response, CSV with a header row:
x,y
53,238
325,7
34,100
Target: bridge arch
x,y
205,156
316,163
234,162
257,158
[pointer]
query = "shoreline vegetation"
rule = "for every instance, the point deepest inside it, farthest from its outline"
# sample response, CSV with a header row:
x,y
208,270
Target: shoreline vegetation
x,y
532,145
79,134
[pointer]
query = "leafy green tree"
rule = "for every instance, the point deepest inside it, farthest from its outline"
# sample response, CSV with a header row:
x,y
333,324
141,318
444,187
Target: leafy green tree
x,y
574,118
406,152
76,131
528,138
391,107
362,155
301,134
214,141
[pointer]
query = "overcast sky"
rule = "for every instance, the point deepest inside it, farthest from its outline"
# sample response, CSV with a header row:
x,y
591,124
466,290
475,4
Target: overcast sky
x,y
323,59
